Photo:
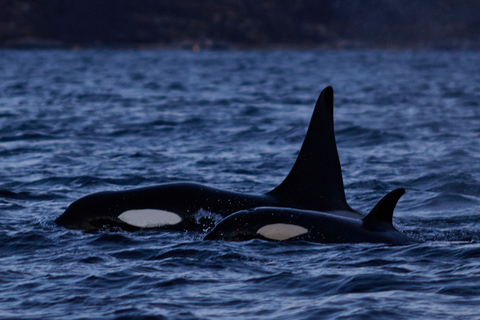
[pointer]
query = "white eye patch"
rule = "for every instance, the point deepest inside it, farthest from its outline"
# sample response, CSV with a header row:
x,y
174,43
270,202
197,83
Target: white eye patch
x,y
281,231
149,218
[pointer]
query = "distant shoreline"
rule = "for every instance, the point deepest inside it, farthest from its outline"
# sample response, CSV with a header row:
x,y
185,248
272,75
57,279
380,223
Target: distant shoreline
x,y
36,43
241,24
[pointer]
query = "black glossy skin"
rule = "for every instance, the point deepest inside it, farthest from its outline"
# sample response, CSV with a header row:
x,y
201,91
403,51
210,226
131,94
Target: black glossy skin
x,y
98,210
322,227
314,183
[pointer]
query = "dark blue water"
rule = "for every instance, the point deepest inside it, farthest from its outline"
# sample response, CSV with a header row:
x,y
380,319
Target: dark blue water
x,y
77,122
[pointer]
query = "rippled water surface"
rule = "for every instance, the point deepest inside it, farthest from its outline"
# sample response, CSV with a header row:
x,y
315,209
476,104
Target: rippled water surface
x,y
77,122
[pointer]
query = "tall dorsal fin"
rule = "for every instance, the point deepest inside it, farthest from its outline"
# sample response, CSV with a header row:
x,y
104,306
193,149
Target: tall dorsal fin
x,y
381,215
315,180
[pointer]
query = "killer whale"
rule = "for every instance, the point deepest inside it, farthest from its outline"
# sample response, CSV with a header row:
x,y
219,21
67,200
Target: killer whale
x,y
287,224
314,183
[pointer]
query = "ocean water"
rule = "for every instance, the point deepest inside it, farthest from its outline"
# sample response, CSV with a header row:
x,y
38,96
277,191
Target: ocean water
x,y
77,122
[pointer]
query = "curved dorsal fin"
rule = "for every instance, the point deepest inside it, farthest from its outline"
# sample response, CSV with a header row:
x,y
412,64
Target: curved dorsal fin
x,y
380,217
315,180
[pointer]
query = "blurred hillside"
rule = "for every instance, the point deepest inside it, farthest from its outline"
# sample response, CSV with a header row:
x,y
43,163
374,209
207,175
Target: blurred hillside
x,y
240,23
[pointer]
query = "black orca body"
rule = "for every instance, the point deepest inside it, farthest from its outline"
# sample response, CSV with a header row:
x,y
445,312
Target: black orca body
x,y
174,206
314,183
280,224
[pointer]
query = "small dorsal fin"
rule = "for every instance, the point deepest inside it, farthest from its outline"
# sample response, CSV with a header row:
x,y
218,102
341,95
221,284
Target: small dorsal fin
x,y
380,217
315,180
